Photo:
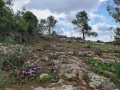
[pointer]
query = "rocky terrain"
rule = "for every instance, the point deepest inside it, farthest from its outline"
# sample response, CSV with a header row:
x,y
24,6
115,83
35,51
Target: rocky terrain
x,y
60,66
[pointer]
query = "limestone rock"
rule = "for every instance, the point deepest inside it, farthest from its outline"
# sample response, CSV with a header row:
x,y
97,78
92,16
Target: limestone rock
x,y
45,58
61,81
97,81
110,86
63,87
39,88
8,89
71,76
80,88
63,59
44,75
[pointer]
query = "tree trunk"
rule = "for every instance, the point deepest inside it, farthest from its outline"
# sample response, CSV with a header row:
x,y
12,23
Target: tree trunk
x,y
83,36
49,30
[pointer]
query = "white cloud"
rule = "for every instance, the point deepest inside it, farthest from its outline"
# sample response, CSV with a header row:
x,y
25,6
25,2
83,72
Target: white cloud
x,y
103,0
19,4
103,31
43,14
98,16
64,6
101,27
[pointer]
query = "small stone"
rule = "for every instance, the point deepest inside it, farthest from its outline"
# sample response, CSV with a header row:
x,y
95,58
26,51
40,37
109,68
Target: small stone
x,y
8,89
45,58
61,81
39,88
89,55
80,88
63,59
105,82
84,83
75,71
82,54
70,53
71,76
44,75
81,74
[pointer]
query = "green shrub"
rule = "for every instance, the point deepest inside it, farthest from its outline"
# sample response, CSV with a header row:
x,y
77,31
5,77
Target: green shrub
x,y
1,63
117,41
43,80
8,41
116,66
92,61
13,59
99,41
49,78
97,70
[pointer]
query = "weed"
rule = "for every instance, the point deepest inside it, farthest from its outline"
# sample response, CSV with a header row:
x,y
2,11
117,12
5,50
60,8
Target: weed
x,y
97,70
8,41
116,66
13,59
1,63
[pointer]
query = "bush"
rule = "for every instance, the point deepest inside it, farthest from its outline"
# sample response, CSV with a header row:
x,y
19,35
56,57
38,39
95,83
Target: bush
x,y
117,41
8,41
49,78
99,41
116,66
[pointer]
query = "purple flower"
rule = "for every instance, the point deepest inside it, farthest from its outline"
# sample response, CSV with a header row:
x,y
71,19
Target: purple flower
x,y
28,63
26,72
34,68
32,64
30,72
105,62
8,65
23,72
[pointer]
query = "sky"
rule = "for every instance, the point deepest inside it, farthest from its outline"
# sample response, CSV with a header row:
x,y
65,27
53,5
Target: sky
x,y
65,10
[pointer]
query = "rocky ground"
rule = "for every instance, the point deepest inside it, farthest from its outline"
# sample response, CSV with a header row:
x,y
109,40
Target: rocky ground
x,y
67,61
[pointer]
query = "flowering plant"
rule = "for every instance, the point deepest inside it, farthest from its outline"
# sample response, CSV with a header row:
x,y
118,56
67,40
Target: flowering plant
x,y
30,69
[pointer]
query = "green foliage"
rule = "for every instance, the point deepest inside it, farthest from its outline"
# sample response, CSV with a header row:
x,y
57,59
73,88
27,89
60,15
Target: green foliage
x,y
81,23
1,63
48,24
32,21
117,41
99,41
92,61
116,66
20,24
49,78
105,68
99,66
114,9
13,59
8,41
2,81
97,70
1,3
